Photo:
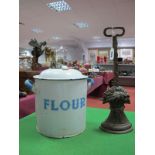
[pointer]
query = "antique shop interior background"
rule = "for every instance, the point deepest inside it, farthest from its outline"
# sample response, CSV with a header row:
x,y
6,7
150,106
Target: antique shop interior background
x,y
73,36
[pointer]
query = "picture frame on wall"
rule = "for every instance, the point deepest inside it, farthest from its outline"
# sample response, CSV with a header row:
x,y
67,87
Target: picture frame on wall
x,y
103,53
103,56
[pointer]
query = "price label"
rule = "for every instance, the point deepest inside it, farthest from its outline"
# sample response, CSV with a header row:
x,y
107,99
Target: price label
x,y
111,54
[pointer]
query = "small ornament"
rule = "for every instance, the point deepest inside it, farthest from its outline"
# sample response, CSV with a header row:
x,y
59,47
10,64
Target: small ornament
x,y
36,52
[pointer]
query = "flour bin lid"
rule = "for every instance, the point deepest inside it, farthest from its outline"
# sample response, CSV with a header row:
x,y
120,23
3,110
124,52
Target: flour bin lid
x,y
60,74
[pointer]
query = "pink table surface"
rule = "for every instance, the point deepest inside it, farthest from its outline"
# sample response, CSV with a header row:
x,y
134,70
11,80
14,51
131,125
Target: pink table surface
x,y
26,105
107,76
98,81
99,92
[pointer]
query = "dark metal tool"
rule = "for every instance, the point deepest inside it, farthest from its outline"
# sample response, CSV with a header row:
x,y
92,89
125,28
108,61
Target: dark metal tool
x,y
115,44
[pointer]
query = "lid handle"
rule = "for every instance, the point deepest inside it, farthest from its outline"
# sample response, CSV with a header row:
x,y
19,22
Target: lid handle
x,y
64,67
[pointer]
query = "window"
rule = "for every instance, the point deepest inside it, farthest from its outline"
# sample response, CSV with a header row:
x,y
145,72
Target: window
x,y
126,53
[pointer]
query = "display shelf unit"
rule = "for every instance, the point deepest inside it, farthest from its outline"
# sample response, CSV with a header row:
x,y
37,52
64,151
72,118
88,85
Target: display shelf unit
x,y
126,73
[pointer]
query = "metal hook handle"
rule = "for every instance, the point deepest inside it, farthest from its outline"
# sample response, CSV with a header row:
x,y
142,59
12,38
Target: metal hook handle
x,y
114,28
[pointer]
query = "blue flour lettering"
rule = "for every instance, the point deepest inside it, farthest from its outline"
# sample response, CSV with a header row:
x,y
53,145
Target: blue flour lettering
x,y
75,104
64,104
82,102
53,105
46,103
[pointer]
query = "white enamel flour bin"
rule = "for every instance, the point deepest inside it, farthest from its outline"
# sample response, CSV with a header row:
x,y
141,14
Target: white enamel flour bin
x,y
60,102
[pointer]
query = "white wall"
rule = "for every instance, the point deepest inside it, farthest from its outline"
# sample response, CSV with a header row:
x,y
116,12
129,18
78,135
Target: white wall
x,y
106,43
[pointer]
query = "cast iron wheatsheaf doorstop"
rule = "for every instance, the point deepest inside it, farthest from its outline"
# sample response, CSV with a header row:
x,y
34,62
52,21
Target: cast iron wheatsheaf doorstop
x,y
116,96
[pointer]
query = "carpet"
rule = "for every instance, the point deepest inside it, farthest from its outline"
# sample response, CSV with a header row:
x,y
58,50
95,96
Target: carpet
x,y
97,103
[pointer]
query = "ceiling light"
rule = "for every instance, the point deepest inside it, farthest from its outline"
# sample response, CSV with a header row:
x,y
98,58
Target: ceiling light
x,y
59,6
81,25
56,38
97,37
37,30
